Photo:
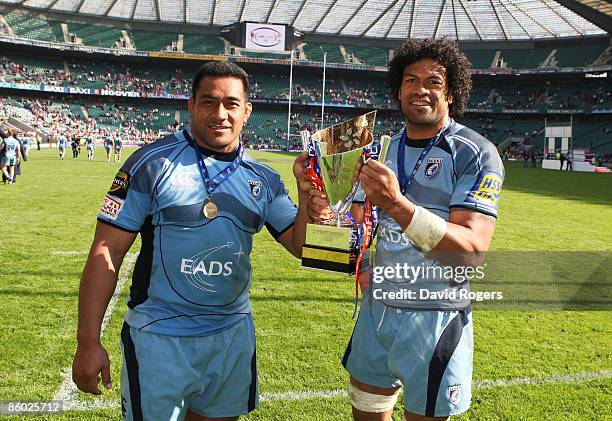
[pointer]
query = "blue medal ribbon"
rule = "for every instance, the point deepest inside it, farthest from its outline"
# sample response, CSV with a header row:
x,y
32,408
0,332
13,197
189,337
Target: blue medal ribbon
x,y
401,151
212,183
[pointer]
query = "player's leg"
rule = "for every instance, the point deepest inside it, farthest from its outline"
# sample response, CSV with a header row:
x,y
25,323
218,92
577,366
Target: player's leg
x,y
373,390
4,171
149,360
229,376
11,171
192,416
371,403
435,367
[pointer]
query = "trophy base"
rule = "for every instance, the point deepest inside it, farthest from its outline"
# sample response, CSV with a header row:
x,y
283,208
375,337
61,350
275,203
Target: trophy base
x,y
328,248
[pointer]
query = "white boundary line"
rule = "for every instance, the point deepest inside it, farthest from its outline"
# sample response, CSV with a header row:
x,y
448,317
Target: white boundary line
x,y
334,393
67,391
68,252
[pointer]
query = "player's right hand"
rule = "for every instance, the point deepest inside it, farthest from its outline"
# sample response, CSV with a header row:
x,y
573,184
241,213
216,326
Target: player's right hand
x,y
90,365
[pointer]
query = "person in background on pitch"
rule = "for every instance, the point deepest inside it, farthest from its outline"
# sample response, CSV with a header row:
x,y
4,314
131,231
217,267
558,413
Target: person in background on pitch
x,y
108,146
90,144
197,199
11,149
118,147
437,197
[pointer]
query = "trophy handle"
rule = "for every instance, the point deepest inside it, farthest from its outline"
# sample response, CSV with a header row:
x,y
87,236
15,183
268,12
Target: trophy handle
x,y
305,136
385,142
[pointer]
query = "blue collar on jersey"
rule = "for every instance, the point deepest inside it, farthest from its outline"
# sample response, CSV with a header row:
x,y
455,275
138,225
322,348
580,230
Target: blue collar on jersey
x,y
212,183
401,151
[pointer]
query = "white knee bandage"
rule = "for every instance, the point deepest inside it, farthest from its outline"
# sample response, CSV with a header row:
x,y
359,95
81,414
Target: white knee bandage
x,y
369,402
426,229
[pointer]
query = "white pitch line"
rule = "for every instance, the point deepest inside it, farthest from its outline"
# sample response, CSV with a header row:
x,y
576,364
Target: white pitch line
x,y
334,393
68,252
68,391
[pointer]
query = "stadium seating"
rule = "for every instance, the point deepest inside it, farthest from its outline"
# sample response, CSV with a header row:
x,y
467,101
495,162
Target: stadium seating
x,y
202,44
369,55
525,58
33,27
152,40
578,55
95,35
480,59
314,52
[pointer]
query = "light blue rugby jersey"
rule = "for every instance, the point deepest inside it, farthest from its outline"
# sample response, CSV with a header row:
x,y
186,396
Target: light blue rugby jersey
x,y
10,147
193,275
465,171
61,139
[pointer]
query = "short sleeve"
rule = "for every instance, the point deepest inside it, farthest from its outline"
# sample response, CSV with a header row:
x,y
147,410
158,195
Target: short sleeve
x,y
128,202
480,182
281,211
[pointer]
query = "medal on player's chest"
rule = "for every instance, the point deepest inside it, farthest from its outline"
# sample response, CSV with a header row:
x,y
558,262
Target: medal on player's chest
x,y
210,210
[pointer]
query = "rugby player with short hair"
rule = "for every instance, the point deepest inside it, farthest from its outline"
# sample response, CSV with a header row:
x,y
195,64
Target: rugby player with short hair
x,y
89,141
197,199
437,195
108,146
118,147
12,155
62,141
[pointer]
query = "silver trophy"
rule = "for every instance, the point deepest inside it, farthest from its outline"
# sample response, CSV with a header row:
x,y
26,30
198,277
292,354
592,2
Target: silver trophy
x,y
333,245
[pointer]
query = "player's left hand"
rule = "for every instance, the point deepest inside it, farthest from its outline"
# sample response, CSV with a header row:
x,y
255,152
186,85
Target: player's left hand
x,y
380,184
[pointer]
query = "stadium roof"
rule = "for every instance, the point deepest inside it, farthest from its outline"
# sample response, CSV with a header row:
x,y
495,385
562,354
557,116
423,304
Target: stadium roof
x,y
388,19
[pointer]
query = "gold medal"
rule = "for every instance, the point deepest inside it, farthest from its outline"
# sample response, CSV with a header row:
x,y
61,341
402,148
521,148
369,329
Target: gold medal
x,y
210,210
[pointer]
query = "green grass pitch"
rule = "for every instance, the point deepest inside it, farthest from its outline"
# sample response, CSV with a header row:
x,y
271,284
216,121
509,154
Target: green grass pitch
x,y
303,318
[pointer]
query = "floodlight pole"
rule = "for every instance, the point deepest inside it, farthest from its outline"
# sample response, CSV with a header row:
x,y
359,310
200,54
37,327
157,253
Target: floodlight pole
x,y
290,92
323,95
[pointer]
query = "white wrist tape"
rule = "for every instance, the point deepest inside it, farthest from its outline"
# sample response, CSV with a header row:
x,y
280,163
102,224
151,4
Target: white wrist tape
x,y
426,229
369,402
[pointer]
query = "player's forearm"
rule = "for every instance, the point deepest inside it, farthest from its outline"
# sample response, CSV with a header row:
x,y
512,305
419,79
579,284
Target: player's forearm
x,y
458,244
98,284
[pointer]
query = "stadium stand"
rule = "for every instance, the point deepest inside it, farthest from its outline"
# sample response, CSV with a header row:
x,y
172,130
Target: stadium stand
x,y
34,27
95,35
202,44
152,40
480,59
578,55
314,52
369,55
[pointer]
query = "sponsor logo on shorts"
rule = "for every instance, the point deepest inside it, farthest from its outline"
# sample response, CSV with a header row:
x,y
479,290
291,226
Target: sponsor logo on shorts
x,y
111,207
454,394
433,168
255,186
486,190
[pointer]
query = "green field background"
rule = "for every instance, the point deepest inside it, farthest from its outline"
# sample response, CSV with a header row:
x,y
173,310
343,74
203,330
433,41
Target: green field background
x,y
303,318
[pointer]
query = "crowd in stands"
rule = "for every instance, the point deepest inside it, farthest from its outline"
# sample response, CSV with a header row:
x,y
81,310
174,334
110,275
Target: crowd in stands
x,y
169,80
52,118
